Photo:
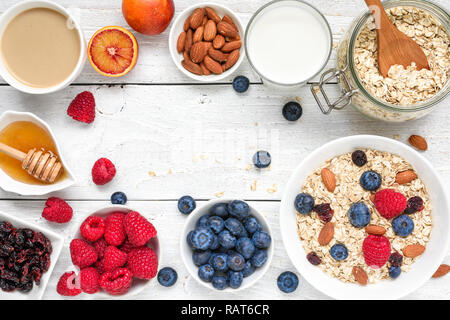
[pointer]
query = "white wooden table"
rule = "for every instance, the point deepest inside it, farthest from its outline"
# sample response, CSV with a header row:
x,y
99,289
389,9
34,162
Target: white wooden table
x,y
198,140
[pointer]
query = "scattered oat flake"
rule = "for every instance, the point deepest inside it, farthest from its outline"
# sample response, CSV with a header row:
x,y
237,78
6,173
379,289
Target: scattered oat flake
x,y
152,173
170,171
298,99
248,167
220,194
203,157
273,189
254,185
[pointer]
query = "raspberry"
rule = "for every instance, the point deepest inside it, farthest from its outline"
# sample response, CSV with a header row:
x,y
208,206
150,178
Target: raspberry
x,y
100,267
89,280
376,250
68,285
127,247
82,108
116,282
415,204
324,212
389,203
114,258
143,262
82,253
138,229
93,228
114,229
57,210
100,245
103,171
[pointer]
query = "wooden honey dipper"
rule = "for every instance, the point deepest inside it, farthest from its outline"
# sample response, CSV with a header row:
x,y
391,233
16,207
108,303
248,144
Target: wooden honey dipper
x,y
40,164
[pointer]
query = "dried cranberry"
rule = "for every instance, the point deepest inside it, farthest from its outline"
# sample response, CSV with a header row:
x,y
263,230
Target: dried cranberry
x,y
324,211
415,204
313,258
359,158
396,259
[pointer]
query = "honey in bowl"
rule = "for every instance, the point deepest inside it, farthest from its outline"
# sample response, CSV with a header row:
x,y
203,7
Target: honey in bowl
x,y
39,47
24,136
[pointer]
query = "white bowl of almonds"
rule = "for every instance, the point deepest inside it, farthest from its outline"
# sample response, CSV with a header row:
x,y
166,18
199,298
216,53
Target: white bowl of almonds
x,y
365,217
205,42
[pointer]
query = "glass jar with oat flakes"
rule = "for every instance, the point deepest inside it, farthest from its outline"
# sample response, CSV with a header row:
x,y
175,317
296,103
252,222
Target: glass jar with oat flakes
x,y
406,94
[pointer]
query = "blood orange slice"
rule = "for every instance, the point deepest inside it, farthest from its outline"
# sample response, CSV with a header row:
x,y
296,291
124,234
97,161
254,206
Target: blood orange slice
x,y
113,51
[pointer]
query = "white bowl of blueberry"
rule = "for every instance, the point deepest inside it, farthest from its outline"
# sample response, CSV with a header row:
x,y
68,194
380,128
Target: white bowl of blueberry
x,y
226,245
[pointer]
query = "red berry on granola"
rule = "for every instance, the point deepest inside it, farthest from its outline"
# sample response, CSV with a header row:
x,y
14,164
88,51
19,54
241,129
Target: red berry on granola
x,y
324,212
390,203
376,251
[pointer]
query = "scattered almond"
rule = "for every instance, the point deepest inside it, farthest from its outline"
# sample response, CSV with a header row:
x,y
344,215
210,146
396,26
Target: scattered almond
x,y
181,41
218,42
213,65
198,52
413,250
326,234
197,18
441,271
217,55
210,31
198,34
405,177
328,179
418,142
227,30
232,45
212,14
375,230
360,276
233,57
192,67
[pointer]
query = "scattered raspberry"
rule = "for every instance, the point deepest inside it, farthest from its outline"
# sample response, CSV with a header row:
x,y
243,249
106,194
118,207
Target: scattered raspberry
x,y
415,204
127,247
100,245
116,282
57,210
114,229
82,108
82,253
93,228
324,212
68,285
103,171
114,258
143,262
89,278
396,259
139,230
376,250
390,203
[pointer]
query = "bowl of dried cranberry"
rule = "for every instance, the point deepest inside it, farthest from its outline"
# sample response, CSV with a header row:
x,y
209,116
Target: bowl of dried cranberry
x,y
117,250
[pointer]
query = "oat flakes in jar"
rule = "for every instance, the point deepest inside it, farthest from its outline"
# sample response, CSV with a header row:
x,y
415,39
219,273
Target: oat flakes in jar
x,y
406,94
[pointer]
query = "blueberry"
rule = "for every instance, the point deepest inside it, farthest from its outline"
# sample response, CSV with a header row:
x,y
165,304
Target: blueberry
x,y
292,111
261,239
220,282
219,262
359,215
245,247
262,159
118,198
259,258
167,277
339,252
238,209
226,239
252,225
202,238
235,279
248,269
206,272
215,245
211,259
403,225
186,204
243,234
201,257
370,180
203,221
234,226
394,272
287,282
216,224
220,210
241,84
304,203
359,158
189,239
236,262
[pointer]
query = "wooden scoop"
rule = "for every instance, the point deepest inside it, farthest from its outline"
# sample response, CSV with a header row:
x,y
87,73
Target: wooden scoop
x,y
40,164
394,47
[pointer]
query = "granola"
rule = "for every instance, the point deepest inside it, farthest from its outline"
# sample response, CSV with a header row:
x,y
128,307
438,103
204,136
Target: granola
x,y
348,191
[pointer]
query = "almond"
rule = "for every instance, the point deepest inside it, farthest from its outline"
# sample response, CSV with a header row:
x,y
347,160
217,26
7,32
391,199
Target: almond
x,y
212,14
181,41
187,24
217,55
372,198
233,57
189,40
328,179
218,42
360,276
198,52
212,65
205,20
210,31
405,177
227,30
197,18
375,230
418,142
198,34
232,45
441,271
186,56
326,234
413,250
205,70
192,67
230,21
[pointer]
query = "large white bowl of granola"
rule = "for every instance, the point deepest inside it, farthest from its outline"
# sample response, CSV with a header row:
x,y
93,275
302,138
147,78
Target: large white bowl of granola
x,y
372,224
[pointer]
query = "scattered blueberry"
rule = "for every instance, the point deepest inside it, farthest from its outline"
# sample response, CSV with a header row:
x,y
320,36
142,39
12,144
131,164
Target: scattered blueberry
x,y
234,226
415,204
241,84
236,262
370,180
219,262
201,257
394,272
287,282
206,272
359,158
167,277
245,247
252,225
359,215
403,225
216,224
238,209
226,239
304,203
261,239
202,238
186,204
220,210
339,252
235,279
396,259
262,159
259,258
248,269
203,221
118,198
292,111
220,282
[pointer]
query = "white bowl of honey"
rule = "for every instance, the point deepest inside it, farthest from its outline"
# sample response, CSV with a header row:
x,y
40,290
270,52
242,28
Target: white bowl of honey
x,y
42,47
24,131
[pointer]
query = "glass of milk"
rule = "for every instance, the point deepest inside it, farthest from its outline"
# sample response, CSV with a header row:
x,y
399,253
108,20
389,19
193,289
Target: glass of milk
x,y
288,42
